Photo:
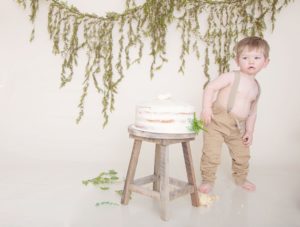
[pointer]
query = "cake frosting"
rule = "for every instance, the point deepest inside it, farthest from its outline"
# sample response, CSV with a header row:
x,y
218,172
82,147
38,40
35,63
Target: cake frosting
x,y
164,115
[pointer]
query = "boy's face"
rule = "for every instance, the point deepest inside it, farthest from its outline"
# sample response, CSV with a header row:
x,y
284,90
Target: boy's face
x,y
252,61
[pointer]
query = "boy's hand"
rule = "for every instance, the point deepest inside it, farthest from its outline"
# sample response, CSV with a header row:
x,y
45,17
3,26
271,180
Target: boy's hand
x,y
206,115
247,139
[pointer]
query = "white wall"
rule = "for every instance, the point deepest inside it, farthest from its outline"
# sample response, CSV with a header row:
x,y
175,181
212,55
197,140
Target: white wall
x,y
38,119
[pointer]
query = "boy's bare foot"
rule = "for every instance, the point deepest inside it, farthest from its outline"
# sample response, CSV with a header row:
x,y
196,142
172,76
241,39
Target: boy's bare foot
x,y
247,185
205,188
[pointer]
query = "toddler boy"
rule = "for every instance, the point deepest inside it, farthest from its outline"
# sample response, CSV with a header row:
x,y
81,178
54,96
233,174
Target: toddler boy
x,y
230,117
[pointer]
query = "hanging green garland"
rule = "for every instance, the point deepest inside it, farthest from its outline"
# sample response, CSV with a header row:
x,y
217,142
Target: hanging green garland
x,y
72,31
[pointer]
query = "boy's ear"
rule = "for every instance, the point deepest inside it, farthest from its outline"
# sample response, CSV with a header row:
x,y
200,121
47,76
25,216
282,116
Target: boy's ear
x,y
267,62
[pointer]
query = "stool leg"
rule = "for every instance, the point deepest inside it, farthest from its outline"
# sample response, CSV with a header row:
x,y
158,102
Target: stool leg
x,y
156,168
131,171
164,182
190,172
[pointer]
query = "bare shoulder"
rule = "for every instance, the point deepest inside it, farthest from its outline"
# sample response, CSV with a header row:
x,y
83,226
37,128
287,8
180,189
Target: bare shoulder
x,y
227,77
222,81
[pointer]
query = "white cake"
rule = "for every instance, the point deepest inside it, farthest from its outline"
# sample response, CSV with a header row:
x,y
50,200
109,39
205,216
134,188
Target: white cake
x,y
164,115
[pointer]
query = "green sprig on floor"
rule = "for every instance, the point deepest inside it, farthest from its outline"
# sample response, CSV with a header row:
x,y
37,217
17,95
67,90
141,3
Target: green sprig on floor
x,y
107,203
104,179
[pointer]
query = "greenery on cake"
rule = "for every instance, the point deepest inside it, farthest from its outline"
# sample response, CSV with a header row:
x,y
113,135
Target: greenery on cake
x,y
197,125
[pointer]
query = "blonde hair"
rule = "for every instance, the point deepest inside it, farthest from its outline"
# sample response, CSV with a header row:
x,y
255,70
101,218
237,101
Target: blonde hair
x,y
252,42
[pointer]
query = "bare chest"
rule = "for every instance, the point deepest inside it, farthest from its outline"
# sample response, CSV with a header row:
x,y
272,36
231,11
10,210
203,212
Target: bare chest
x,y
248,89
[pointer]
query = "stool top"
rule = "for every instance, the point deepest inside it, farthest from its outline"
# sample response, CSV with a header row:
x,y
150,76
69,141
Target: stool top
x,y
153,135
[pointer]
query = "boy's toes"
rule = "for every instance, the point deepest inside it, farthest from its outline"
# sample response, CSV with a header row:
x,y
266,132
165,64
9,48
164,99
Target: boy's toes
x,y
205,188
248,186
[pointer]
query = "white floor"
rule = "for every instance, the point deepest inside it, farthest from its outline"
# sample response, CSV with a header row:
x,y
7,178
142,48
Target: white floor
x,y
36,193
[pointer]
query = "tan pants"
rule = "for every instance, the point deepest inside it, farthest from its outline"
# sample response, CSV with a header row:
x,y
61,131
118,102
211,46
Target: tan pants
x,y
224,127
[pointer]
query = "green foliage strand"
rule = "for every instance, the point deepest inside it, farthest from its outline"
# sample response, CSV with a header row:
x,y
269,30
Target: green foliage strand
x,y
73,32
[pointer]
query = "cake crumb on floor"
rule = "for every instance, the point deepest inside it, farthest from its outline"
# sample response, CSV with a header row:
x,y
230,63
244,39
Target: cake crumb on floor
x,y
207,200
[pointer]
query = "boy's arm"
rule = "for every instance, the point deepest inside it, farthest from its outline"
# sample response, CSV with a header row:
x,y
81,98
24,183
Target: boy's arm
x,y
250,123
214,86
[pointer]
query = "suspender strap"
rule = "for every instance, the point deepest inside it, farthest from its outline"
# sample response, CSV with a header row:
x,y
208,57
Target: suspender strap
x,y
233,91
259,90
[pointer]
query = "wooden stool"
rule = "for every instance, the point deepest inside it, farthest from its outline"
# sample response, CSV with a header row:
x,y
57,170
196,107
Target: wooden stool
x,y
160,178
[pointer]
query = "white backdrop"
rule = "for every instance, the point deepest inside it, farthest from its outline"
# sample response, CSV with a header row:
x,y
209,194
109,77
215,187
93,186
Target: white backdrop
x,y
38,118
